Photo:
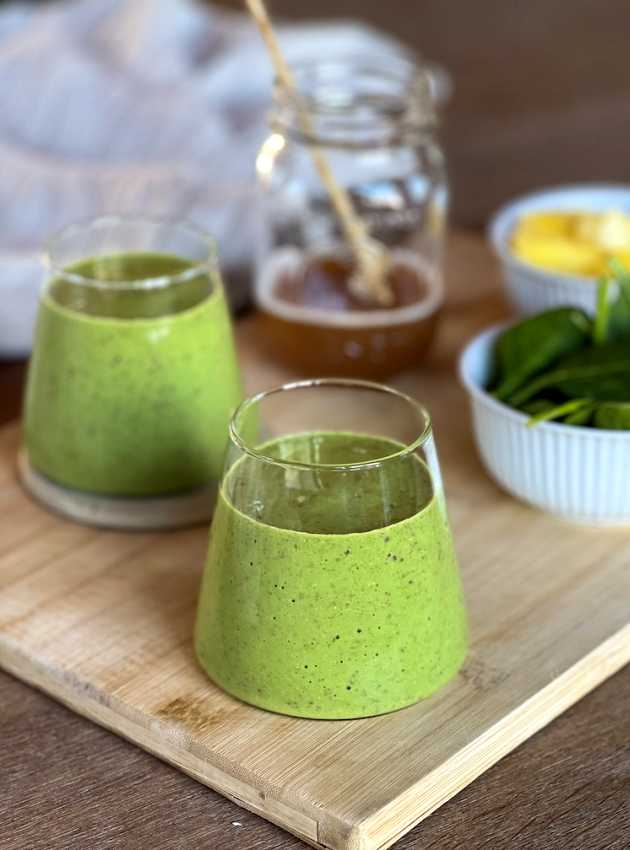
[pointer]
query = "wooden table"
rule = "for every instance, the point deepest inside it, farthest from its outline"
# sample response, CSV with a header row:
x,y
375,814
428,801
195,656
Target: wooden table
x,y
568,788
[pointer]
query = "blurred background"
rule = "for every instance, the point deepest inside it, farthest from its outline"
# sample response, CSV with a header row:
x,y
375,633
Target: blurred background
x,y
541,89
159,106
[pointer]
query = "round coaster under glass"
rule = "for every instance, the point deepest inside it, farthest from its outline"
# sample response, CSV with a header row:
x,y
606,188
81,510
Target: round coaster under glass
x,y
133,514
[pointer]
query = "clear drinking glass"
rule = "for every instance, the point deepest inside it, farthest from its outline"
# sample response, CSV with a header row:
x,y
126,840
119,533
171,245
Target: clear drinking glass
x,y
133,376
331,588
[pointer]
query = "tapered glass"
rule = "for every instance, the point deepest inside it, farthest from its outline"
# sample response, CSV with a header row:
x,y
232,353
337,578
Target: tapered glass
x,y
133,376
331,588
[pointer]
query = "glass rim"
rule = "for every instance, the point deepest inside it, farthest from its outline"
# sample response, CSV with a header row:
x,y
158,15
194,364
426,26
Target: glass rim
x,y
210,263
403,69
339,383
400,67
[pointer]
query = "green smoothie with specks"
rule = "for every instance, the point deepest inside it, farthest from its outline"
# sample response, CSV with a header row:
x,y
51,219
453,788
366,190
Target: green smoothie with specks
x,y
361,614
131,385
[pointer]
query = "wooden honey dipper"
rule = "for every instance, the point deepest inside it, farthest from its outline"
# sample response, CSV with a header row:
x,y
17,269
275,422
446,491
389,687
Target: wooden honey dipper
x,y
370,281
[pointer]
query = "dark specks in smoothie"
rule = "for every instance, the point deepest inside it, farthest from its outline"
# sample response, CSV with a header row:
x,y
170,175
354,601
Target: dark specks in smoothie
x,y
349,580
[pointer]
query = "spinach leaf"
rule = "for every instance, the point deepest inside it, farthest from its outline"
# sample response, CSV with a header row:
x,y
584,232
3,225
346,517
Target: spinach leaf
x,y
613,415
602,314
531,346
601,374
538,405
582,416
619,311
559,410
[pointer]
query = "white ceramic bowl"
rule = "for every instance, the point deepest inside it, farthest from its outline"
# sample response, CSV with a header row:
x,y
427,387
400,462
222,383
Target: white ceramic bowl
x,y
578,474
530,288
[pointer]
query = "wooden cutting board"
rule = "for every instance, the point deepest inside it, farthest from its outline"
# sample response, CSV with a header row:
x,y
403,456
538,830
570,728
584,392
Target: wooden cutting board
x,y
102,621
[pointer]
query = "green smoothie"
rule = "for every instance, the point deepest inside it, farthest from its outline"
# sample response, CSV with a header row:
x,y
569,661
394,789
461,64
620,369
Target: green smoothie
x,y
327,594
131,386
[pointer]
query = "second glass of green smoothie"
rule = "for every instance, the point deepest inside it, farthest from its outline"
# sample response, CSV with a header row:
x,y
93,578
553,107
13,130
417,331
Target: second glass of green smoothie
x,y
331,588
133,376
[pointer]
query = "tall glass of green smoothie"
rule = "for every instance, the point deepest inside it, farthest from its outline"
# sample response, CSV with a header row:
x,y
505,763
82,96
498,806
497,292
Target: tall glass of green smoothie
x,y
331,588
133,376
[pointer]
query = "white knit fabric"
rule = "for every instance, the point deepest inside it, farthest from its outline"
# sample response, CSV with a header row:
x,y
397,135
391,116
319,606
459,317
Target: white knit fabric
x,y
149,106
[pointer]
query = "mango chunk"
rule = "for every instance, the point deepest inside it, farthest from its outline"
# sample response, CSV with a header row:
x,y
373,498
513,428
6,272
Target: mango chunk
x,y
547,224
559,255
622,257
610,231
570,242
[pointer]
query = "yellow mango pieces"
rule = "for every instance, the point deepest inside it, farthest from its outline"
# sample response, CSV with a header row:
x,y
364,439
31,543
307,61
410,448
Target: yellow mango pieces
x,y
574,243
610,231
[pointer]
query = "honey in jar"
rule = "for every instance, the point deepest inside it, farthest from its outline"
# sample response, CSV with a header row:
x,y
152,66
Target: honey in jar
x,y
315,323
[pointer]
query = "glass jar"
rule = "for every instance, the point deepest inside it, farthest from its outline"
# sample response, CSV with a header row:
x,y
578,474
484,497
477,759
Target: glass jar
x,y
374,121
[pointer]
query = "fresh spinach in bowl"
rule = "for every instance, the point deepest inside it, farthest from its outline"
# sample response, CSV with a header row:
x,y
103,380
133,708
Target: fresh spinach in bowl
x,y
529,348
563,366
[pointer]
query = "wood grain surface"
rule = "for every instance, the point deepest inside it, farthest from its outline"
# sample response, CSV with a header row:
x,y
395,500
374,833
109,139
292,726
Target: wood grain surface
x,y
598,783
539,88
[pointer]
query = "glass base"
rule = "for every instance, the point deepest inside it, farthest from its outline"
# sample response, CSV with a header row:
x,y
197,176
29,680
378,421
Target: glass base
x,y
331,712
136,514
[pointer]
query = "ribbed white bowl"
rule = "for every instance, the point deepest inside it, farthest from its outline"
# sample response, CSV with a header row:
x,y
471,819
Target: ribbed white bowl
x,y
529,288
579,474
